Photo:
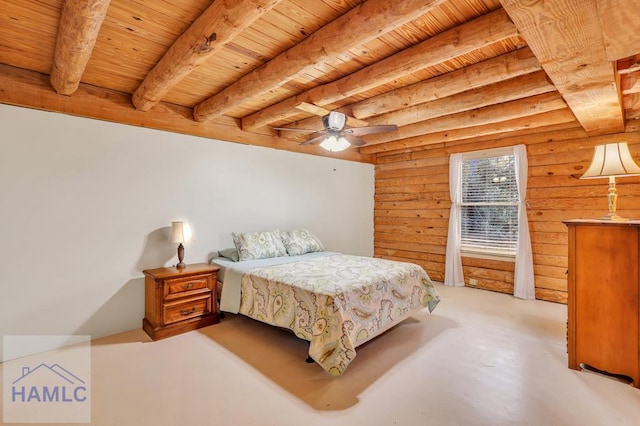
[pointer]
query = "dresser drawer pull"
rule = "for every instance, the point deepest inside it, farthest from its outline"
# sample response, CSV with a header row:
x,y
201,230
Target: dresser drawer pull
x,y
187,286
187,311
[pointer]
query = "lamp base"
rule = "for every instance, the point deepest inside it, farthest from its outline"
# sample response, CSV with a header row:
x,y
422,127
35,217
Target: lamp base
x,y
613,217
181,264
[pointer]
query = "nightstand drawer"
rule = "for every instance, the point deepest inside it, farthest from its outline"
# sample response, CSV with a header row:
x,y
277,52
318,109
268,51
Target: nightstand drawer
x,y
180,287
185,309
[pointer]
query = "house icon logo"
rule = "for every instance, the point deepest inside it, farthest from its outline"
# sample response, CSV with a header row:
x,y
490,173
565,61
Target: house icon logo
x,y
48,384
46,379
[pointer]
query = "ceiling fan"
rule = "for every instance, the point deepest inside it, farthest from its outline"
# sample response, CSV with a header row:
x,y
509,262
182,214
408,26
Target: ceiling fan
x,y
335,137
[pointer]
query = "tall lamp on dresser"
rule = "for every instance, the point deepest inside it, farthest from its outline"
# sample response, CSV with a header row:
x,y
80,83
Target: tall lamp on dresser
x,y
603,328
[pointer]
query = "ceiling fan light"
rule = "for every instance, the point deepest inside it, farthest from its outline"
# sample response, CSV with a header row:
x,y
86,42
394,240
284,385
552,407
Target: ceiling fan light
x,y
335,144
342,144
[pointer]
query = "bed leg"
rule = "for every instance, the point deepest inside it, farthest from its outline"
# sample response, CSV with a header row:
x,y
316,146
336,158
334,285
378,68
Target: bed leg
x,y
309,360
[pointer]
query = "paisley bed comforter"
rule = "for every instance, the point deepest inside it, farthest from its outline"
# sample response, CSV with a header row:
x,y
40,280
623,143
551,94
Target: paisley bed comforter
x,y
335,301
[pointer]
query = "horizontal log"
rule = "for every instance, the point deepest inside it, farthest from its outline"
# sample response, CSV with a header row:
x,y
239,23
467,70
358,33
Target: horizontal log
x,y
483,31
216,27
559,261
463,134
483,274
425,248
595,203
551,283
548,249
410,238
550,237
498,265
418,213
410,255
413,205
497,286
546,226
534,136
403,230
509,65
422,162
441,179
548,271
569,193
29,89
505,91
407,196
80,23
422,191
516,109
410,221
556,296
358,26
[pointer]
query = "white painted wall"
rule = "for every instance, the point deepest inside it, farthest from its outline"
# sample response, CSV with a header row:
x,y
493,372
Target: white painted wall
x,y
86,206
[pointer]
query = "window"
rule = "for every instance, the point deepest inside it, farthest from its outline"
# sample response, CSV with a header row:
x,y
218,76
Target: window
x,y
489,207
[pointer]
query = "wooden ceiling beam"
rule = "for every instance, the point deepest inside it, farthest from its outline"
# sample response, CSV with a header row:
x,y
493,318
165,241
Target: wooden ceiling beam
x,y
504,91
620,24
539,120
499,68
485,30
78,30
361,24
481,116
567,38
211,31
630,83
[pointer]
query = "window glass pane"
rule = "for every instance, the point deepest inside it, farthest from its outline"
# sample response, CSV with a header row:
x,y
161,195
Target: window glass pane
x,y
489,204
491,227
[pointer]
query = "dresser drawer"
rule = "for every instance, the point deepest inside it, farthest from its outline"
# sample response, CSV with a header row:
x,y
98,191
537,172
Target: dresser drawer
x,y
180,287
186,308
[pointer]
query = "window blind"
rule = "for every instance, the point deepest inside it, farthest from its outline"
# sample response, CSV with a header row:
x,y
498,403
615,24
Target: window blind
x,y
489,209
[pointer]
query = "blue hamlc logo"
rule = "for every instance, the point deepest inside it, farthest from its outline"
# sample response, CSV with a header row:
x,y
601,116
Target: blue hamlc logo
x,y
62,385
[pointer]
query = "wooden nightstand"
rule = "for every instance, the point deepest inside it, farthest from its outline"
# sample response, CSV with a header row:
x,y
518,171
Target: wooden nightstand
x,y
179,300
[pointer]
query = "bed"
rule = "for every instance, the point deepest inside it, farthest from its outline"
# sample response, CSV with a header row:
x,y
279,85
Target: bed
x,y
335,301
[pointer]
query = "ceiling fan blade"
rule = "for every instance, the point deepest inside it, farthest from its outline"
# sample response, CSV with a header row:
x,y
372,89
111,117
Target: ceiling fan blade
x,y
291,129
355,141
315,140
356,131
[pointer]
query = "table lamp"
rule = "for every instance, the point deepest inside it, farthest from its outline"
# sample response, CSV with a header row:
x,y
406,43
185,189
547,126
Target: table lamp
x,y
610,161
180,233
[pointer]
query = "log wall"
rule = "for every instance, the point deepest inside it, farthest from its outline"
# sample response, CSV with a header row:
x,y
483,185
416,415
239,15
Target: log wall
x,y
412,205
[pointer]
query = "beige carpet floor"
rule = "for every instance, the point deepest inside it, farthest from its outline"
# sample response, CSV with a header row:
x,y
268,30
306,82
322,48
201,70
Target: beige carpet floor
x,y
481,358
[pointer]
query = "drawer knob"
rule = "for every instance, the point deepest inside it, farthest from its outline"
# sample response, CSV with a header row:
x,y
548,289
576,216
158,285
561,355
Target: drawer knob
x,y
187,286
187,311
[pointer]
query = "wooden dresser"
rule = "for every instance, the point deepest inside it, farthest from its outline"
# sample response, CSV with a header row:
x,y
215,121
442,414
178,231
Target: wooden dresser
x,y
179,300
604,297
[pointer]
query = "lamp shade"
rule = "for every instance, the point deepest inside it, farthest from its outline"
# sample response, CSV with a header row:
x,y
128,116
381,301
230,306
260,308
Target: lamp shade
x,y
180,232
611,160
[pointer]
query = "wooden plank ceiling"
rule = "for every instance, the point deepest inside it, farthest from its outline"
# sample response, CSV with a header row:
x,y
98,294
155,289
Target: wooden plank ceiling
x,y
442,70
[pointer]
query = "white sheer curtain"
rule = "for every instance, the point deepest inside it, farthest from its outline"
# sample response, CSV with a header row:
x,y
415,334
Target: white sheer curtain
x,y
453,275
524,285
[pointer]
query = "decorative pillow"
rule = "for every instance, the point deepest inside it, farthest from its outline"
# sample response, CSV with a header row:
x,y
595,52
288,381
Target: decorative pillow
x,y
301,241
258,245
230,254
